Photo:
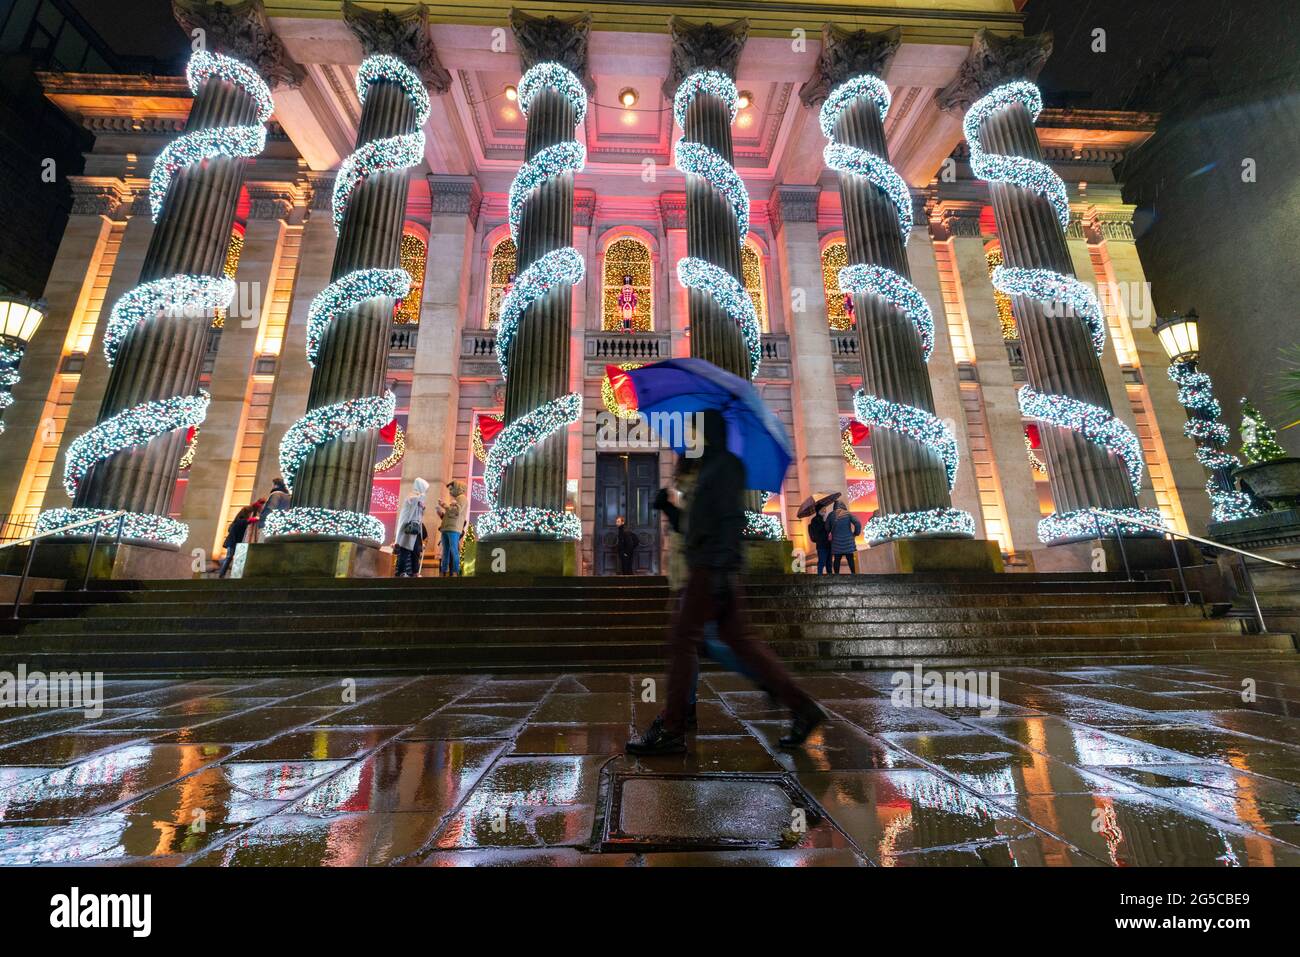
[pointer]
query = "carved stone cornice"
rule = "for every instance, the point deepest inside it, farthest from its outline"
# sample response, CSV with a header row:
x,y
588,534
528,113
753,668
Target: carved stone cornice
x,y
703,46
672,210
792,204
846,54
320,191
992,61
584,207
949,218
272,200
241,30
458,195
552,39
404,35
97,197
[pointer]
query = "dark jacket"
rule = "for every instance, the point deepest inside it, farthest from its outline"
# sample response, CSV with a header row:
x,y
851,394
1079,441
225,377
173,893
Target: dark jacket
x,y
716,519
239,526
818,533
844,529
625,542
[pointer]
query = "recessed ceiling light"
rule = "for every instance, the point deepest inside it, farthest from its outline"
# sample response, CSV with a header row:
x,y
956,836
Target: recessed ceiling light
x,y
628,97
745,98
511,93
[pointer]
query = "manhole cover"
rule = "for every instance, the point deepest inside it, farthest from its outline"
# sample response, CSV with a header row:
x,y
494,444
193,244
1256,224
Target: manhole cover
x,y
704,811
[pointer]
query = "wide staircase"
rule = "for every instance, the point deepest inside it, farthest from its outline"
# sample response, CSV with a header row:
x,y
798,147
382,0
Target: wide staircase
x,y
451,625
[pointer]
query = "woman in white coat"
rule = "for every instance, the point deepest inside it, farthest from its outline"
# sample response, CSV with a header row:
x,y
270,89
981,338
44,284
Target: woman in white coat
x,y
409,541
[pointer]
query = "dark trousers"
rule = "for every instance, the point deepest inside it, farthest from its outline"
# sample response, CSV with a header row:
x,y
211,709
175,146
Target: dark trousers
x,y
853,563
408,562
823,559
714,595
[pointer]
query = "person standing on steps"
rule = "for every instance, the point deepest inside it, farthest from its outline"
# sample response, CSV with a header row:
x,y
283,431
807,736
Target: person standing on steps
x,y
409,541
453,524
235,534
844,530
820,536
624,545
279,499
715,522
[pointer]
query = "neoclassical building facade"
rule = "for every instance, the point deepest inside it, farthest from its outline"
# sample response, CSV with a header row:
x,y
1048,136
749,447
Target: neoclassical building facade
x,y
446,216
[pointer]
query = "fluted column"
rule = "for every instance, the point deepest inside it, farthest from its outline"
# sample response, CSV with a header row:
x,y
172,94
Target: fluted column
x,y
157,333
1093,459
528,465
914,453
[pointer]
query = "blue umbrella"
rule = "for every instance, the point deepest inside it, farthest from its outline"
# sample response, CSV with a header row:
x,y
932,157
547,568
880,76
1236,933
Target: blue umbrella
x,y
680,387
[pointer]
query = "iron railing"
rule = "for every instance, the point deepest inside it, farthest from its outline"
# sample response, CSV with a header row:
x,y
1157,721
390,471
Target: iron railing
x,y
35,538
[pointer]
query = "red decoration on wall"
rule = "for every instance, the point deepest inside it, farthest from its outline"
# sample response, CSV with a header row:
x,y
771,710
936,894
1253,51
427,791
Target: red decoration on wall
x,y
489,427
389,432
621,382
858,432
1032,434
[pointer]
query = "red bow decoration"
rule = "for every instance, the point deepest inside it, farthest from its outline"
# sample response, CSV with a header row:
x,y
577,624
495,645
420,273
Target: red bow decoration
x,y
389,432
1032,434
624,390
488,427
190,433
858,432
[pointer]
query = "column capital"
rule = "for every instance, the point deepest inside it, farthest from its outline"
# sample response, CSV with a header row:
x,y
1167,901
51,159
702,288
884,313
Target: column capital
x,y
792,204
552,39
272,200
584,207
703,46
992,61
672,210
846,54
455,195
93,196
404,35
241,30
954,217
320,191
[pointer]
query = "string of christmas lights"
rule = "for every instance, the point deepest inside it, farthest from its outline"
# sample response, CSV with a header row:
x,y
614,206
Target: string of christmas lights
x,y
1196,395
943,522
1086,523
1019,171
916,424
1092,422
396,455
898,292
735,301
340,420
184,295
851,159
137,526
10,356
563,266
199,145
389,153
1052,288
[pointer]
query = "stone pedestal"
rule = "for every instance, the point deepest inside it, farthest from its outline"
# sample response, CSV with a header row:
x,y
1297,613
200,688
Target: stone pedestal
x,y
513,558
1144,554
67,560
299,559
9,588
905,556
769,557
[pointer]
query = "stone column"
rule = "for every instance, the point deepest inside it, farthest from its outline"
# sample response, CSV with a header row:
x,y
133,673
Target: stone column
x,y
530,509
435,386
159,343
1060,358
818,457
330,453
909,444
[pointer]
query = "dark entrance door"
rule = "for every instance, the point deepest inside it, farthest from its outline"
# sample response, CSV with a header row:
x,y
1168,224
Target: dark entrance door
x,y
626,485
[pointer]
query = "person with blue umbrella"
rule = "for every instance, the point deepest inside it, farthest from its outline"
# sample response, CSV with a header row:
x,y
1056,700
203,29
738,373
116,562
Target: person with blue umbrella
x,y
732,419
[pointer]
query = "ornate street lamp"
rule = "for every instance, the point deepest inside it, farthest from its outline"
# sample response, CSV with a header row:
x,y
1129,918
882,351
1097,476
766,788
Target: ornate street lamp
x,y
19,319
1179,336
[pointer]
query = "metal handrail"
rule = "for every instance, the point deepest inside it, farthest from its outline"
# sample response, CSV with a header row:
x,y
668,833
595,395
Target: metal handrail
x,y
34,540
63,528
1241,554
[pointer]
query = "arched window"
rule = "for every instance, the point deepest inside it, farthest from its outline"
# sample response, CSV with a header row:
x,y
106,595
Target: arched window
x,y
234,250
751,268
628,291
1006,318
501,274
839,305
413,255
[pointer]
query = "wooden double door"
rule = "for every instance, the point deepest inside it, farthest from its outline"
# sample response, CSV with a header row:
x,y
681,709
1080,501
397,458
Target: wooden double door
x,y
626,485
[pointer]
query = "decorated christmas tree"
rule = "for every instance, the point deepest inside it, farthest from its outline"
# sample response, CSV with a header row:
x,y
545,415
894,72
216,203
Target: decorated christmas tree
x,y
1258,439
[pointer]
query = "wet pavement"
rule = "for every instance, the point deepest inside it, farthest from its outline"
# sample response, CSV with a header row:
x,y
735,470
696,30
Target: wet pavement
x,y
1091,766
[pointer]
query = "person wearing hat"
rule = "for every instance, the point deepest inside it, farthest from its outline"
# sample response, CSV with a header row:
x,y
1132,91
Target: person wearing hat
x,y
411,533
453,524
844,529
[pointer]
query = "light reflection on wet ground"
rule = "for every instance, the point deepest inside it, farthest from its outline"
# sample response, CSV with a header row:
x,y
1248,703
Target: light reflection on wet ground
x,y
1089,766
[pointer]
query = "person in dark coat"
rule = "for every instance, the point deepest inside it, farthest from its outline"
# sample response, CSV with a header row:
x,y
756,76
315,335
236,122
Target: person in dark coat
x,y
820,536
844,529
624,545
235,534
714,554
279,499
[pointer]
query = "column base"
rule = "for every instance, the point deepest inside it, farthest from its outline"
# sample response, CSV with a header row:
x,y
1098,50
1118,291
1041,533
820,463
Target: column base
x,y
312,560
1103,555
906,556
508,557
67,560
769,557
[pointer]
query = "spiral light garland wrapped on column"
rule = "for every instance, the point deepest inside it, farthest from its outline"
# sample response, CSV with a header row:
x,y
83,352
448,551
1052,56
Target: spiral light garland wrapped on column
x,y
1196,395
188,296
328,423
559,266
1066,298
